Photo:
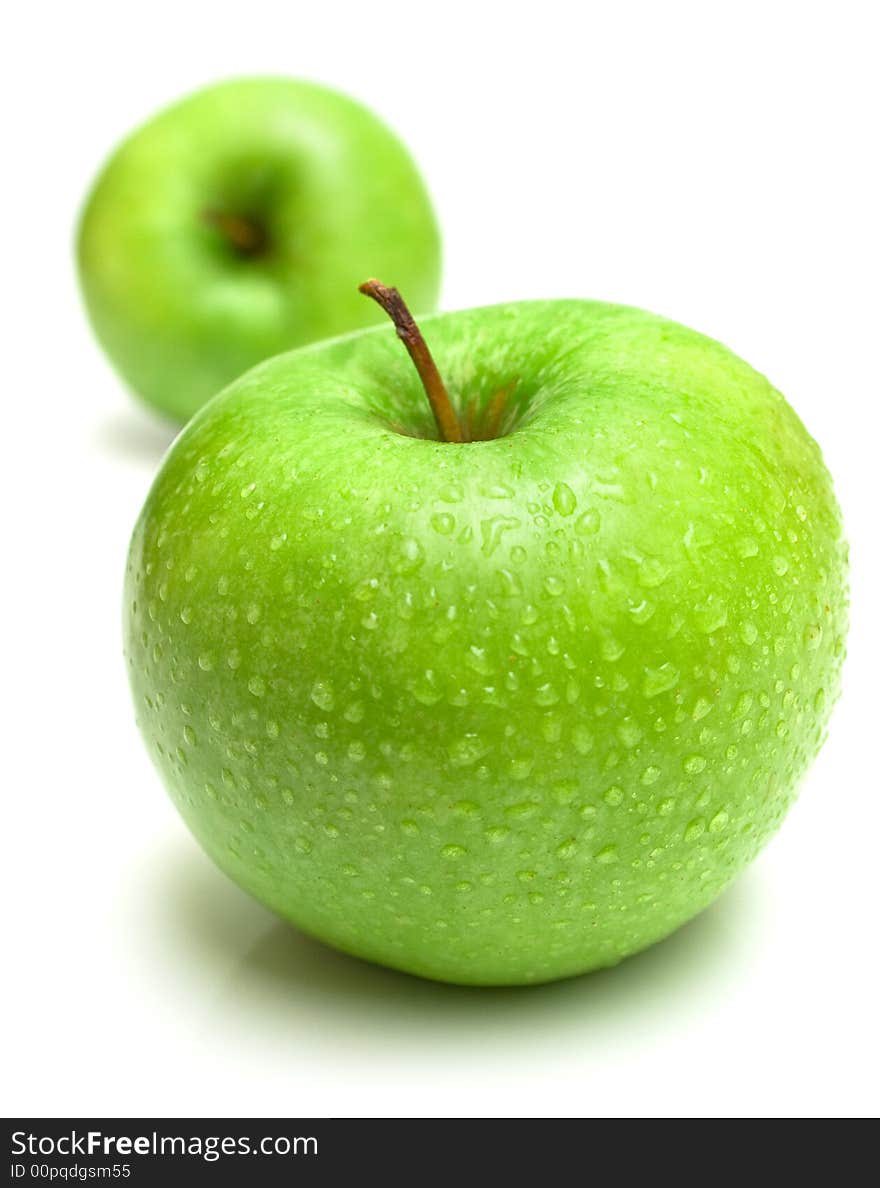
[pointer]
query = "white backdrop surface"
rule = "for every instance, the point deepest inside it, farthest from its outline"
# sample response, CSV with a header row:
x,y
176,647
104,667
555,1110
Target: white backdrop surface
x,y
714,162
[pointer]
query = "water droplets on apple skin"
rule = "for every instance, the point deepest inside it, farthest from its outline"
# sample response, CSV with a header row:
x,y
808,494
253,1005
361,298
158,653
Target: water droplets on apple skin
x,y
603,723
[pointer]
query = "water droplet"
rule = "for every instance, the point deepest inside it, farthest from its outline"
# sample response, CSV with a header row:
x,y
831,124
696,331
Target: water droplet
x,y
465,751
747,547
607,855
425,688
257,686
186,615
554,586
710,616
666,806
650,775
582,739
189,735
719,821
453,851
409,556
551,728
611,649
322,696
206,662
652,572
694,764
520,769
780,565
303,845
443,523
567,848
695,829
497,491
491,531
588,524
524,809
748,632
659,680
813,636
564,499
701,708
366,590
546,695
641,612
613,795
477,660
607,486
629,733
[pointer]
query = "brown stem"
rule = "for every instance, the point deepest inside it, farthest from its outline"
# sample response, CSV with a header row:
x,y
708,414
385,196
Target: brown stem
x,y
245,235
411,337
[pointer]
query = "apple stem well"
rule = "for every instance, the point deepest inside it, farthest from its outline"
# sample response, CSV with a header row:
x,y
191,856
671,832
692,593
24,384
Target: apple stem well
x,y
245,235
411,336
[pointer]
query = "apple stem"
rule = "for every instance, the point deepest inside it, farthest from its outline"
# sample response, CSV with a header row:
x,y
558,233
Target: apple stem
x,y
244,235
411,336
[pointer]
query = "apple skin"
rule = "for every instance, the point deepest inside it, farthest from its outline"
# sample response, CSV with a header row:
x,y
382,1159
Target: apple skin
x,y
177,308
498,712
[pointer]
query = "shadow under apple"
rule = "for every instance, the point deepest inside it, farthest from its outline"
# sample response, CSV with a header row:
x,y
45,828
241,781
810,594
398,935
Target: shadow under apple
x,y
134,436
279,979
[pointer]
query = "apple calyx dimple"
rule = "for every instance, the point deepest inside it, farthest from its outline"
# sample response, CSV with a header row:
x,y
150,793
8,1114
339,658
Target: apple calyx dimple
x,y
477,424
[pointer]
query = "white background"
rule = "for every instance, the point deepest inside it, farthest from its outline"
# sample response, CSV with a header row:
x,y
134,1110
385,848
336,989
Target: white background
x,y
713,162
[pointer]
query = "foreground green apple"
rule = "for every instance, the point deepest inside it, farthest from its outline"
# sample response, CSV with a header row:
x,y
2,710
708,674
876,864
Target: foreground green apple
x,y
498,711
237,224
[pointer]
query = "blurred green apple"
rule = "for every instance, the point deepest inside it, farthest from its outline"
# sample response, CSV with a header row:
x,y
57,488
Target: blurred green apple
x,y
237,224
508,706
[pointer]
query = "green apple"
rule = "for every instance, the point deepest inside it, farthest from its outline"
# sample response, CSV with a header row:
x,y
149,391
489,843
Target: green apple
x,y
489,711
237,224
